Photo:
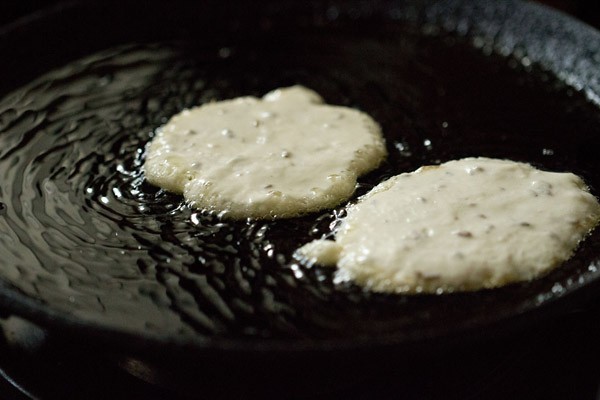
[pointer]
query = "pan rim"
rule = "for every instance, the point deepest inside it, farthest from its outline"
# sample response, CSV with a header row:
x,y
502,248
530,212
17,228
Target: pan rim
x,y
449,16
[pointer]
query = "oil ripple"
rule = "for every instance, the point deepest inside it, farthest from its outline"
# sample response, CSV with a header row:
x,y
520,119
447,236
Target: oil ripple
x,y
83,232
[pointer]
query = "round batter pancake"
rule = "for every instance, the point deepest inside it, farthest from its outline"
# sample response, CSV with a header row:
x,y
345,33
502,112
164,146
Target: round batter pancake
x,y
464,225
281,156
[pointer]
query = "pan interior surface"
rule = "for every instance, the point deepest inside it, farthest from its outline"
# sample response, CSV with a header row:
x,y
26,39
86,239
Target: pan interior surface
x,y
85,239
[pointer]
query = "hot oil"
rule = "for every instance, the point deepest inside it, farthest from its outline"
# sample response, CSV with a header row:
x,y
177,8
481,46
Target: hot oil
x,y
82,232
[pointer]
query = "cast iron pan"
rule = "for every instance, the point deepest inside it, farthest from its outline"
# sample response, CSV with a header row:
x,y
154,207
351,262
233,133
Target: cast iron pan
x,y
88,248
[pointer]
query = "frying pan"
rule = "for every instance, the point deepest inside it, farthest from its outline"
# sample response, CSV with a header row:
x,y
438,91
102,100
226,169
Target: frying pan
x,y
90,250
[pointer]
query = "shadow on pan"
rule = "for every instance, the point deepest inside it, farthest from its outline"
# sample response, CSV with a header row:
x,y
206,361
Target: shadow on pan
x,y
90,249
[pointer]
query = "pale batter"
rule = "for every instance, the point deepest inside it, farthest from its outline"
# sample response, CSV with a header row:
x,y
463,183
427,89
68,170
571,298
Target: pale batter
x,y
464,225
281,156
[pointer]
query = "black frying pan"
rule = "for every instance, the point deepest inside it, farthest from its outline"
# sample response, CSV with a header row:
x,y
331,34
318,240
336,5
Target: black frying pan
x,y
90,249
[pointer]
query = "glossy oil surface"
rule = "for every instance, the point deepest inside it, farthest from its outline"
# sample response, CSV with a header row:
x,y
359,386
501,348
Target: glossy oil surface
x,y
82,233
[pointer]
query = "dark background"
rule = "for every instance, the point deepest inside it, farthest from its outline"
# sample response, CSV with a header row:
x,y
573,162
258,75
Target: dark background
x,y
12,9
586,10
